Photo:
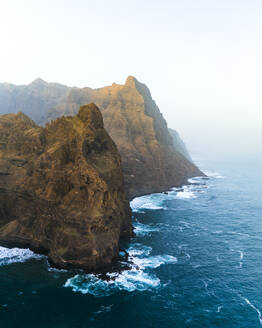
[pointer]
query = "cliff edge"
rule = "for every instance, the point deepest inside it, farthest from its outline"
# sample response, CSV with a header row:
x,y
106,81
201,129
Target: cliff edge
x,y
61,189
151,160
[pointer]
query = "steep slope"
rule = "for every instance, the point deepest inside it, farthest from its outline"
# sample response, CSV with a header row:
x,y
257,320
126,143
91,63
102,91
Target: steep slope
x,y
151,161
34,99
179,144
61,189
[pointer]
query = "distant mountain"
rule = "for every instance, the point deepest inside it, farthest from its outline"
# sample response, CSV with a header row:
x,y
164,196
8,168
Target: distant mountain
x,y
152,160
34,99
179,144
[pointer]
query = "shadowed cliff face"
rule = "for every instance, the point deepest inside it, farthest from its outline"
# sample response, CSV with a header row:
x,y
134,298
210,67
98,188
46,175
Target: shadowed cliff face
x,y
179,144
61,189
152,160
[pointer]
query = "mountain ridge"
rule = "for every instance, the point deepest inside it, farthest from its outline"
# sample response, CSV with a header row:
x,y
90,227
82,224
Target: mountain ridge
x,y
150,160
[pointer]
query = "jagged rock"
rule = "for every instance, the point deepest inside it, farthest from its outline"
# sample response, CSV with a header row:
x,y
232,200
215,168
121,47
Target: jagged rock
x,y
151,161
61,189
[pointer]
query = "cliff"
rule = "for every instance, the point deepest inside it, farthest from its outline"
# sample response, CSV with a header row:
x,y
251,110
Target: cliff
x,y
179,144
61,189
151,161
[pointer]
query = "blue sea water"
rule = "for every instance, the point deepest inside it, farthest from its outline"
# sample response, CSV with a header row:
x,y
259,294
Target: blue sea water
x,y
196,261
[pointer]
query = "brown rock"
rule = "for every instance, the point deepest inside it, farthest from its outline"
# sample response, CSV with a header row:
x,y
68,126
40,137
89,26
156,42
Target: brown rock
x,y
61,189
152,160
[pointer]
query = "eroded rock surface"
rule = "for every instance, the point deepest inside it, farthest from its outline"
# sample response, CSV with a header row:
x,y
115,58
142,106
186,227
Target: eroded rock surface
x,y
152,160
61,189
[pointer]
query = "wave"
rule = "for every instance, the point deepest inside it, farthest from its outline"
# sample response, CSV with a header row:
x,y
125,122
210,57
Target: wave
x,y
142,229
138,249
139,277
215,175
154,261
148,202
186,193
16,255
128,280
155,201
219,308
254,308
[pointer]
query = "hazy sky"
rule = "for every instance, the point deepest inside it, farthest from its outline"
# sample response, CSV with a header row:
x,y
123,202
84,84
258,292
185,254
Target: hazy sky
x,y
201,59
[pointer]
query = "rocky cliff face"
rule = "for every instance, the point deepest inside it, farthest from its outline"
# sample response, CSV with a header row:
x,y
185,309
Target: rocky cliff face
x,y
151,161
179,144
61,189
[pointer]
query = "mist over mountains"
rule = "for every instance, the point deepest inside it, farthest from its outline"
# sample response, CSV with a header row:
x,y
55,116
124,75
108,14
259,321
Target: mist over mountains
x,y
153,160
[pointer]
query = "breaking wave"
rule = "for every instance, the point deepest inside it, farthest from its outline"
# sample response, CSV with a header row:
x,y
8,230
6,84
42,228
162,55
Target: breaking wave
x,y
148,202
139,277
16,255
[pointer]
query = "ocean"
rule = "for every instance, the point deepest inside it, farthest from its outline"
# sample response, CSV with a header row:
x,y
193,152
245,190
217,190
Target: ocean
x,y
196,261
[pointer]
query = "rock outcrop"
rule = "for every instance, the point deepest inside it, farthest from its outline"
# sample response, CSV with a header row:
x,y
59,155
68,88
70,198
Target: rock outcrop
x,y
151,161
61,189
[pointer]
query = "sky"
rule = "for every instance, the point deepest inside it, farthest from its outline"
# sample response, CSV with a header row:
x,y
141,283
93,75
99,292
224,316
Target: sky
x,y
201,59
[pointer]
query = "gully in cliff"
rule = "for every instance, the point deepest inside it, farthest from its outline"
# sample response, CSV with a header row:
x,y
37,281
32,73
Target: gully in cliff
x,y
61,189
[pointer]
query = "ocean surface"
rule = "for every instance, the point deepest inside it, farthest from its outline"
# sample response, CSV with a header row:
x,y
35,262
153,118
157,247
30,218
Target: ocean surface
x,y
196,261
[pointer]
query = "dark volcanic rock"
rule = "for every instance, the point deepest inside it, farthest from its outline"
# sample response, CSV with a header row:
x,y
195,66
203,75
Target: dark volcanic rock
x,y
61,189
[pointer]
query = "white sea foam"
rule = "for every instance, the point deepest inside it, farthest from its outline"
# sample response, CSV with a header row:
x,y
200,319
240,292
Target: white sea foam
x,y
154,261
148,202
139,277
143,229
51,269
138,249
196,180
186,193
155,201
16,255
254,308
241,255
215,175
129,280
219,308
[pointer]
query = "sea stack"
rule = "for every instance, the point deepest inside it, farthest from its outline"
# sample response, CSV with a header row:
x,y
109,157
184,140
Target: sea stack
x,y
61,189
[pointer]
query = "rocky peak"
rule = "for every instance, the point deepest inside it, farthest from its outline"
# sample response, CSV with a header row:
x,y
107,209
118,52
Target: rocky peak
x,y
39,82
131,81
91,116
61,189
